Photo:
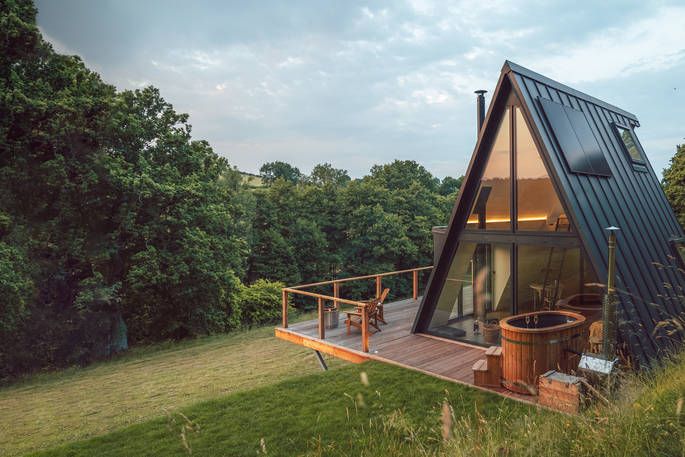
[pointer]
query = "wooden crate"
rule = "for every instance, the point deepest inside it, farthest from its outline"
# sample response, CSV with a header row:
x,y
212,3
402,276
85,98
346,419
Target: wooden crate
x,y
560,391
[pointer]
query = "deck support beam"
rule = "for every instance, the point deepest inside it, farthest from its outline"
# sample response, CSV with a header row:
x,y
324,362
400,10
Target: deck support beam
x,y
415,284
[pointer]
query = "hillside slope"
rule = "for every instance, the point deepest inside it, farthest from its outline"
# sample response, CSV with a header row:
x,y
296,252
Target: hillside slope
x,y
75,404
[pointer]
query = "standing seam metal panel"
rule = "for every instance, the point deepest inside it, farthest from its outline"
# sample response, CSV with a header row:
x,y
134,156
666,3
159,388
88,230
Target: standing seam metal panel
x,y
631,199
582,195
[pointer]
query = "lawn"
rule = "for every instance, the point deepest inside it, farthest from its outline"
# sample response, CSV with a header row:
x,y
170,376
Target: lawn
x,y
315,414
57,408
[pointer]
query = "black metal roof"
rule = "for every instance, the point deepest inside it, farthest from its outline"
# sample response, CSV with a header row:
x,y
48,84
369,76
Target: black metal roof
x,y
630,198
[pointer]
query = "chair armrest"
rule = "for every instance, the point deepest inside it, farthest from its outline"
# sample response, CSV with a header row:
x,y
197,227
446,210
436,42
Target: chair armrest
x,y
353,313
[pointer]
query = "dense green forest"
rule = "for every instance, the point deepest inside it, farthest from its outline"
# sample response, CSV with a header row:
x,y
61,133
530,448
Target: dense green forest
x,y
118,228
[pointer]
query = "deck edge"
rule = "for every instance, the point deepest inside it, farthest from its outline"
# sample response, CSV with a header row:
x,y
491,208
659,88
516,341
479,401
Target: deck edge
x,y
341,352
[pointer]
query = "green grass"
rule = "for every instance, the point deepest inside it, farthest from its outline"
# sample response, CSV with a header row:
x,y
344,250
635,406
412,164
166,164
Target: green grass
x,y
56,408
317,414
250,394
647,418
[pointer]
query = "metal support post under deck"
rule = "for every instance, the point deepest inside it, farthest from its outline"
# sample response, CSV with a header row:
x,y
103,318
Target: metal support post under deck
x,y
321,360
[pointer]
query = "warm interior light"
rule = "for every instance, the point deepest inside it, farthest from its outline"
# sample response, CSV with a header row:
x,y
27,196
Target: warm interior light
x,y
506,219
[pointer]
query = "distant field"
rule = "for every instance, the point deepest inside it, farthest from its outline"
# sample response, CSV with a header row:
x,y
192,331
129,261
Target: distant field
x,y
251,180
79,403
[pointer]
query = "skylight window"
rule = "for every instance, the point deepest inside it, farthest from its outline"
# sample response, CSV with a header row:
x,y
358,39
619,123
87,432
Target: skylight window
x,y
630,143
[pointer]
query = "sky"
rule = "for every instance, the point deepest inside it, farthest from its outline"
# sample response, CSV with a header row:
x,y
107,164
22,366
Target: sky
x,y
361,83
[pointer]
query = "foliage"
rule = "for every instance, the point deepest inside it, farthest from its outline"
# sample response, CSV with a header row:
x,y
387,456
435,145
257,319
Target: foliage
x,y
674,183
117,227
110,210
260,302
450,185
272,171
326,225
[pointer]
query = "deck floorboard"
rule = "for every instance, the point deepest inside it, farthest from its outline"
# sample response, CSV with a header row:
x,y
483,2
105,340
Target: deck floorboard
x,y
395,344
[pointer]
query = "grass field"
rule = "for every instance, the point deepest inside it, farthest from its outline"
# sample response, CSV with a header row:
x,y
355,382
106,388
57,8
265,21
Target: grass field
x,y
251,394
57,408
316,414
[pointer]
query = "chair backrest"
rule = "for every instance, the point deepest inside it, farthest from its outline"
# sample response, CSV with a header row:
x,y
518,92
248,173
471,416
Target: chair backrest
x,y
384,295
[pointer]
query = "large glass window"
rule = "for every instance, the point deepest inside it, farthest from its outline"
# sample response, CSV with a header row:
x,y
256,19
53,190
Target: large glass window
x,y
484,283
477,293
539,207
548,274
491,210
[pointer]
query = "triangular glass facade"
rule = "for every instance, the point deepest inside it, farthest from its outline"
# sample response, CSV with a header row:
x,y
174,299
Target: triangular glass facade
x,y
500,269
538,205
492,208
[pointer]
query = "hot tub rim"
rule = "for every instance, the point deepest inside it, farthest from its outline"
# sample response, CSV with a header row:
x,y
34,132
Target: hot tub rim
x,y
580,321
564,304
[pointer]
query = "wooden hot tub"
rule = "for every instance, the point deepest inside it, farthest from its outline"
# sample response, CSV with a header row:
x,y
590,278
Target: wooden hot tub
x,y
589,305
535,343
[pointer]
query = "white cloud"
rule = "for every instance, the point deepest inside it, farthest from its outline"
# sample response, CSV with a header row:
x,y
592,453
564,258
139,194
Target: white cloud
x,y
290,61
653,43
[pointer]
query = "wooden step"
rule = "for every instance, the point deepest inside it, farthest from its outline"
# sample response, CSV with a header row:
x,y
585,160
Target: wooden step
x,y
494,351
484,376
494,357
480,365
480,372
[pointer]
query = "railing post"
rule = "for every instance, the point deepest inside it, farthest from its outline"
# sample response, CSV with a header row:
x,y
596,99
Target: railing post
x,y
322,327
285,308
378,287
365,329
415,284
336,293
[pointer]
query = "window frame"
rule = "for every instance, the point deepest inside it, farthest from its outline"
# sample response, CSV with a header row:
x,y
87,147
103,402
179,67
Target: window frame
x,y
641,164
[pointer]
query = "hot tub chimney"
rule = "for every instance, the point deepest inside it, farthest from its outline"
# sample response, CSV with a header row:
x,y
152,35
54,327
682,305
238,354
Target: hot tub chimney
x,y
480,109
609,321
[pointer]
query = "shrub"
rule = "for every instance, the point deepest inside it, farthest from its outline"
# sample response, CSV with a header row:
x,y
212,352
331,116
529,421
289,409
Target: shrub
x,y
260,303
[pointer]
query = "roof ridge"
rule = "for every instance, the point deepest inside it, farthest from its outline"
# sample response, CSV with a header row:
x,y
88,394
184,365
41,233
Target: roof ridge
x,y
516,68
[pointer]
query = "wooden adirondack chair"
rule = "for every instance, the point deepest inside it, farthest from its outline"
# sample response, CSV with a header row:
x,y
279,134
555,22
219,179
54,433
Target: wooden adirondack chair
x,y
374,313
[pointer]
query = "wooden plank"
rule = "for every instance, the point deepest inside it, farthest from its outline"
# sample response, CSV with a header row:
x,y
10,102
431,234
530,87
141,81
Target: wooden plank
x,y
284,310
322,326
395,344
340,352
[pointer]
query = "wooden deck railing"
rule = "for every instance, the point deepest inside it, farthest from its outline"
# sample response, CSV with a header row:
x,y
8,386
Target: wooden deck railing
x,y
337,300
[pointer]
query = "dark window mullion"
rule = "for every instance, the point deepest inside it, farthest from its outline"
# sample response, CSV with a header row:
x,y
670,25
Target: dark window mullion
x,y
514,213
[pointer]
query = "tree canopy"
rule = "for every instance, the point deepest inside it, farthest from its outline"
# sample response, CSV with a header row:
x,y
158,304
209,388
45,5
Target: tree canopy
x,y
117,227
674,183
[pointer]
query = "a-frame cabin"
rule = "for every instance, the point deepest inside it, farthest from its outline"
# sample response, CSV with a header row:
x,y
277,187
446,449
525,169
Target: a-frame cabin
x,y
552,168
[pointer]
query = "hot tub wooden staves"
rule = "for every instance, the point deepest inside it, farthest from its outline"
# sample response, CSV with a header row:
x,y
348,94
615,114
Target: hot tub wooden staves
x,y
535,343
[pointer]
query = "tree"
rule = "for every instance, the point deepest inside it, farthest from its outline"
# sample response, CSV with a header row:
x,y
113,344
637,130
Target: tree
x,y
272,171
450,185
674,183
400,173
324,175
112,219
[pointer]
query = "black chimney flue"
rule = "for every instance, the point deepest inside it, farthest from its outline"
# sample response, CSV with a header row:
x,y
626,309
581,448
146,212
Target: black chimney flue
x,y
480,109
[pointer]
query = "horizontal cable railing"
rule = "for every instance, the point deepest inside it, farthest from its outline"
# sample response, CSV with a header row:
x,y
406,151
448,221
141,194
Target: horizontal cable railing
x,y
337,300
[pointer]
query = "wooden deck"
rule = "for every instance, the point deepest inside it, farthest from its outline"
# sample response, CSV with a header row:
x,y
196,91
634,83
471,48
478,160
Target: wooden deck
x,y
395,344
